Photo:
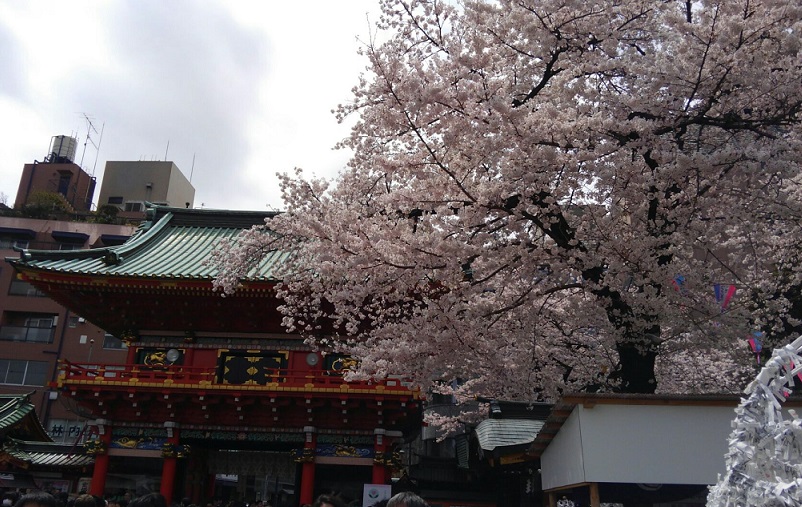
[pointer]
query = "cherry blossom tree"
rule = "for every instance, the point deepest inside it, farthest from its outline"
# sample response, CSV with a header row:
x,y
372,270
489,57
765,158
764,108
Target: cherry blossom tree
x,y
543,195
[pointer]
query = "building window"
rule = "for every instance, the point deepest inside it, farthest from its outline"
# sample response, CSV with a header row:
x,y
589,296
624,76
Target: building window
x,y
39,322
9,243
23,373
69,246
34,328
118,199
64,183
112,342
22,288
134,206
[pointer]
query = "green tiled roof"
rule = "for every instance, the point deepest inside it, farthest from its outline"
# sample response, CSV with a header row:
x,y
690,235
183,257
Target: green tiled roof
x,y
47,454
175,243
18,417
13,409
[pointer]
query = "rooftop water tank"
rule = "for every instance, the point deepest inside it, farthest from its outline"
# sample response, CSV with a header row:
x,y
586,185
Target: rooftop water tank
x,y
62,149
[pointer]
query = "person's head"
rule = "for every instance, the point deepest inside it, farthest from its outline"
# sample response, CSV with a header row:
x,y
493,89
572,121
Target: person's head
x,y
407,499
327,501
149,500
86,501
38,499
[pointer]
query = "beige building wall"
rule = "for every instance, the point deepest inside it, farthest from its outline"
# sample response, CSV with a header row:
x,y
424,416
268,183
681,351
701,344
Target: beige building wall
x,y
141,181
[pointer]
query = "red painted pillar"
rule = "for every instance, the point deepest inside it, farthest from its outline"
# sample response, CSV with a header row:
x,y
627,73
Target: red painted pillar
x,y
210,484
98,485
169,453
130,357
308,467
379,465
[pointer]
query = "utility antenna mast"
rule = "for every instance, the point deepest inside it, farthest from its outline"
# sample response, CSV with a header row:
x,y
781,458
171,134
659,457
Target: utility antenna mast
x,y
90,128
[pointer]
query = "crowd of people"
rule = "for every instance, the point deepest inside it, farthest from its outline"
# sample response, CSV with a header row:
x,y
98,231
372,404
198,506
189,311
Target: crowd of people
x,y
44,499
404,499
124,499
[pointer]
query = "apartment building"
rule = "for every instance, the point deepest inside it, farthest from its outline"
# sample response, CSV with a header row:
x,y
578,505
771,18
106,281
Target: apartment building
x,y
36,331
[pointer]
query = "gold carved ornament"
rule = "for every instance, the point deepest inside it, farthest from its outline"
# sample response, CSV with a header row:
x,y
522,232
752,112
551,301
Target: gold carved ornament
x,y
388,459
94,447
305,455
170,450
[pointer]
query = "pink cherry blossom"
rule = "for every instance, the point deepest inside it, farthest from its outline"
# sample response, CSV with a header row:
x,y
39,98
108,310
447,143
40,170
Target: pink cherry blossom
x,y
543,194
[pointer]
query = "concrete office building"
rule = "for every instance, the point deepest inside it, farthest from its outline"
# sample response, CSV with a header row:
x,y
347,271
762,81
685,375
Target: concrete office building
x,y
129,185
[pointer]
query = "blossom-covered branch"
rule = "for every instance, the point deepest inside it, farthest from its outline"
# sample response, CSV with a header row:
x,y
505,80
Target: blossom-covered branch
x,y
543,196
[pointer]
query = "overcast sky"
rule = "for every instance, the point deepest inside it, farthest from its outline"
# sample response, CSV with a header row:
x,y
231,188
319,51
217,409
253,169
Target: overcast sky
x,y
244,87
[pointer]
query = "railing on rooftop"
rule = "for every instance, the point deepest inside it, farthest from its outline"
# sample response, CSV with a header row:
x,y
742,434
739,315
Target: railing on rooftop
x,y
210,378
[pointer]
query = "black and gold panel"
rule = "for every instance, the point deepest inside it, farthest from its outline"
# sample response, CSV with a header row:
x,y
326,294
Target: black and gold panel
x,y
160,357
337,364
252,367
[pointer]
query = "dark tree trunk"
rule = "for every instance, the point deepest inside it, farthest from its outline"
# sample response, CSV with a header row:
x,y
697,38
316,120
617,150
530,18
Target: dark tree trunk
x,y
636,367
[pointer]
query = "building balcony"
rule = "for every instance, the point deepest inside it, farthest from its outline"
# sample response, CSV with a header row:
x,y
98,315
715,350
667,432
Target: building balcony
x,y
27,334
200,397
209,379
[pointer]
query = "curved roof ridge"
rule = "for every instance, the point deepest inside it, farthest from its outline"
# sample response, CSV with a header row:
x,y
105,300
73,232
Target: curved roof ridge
x,y
237,219
173,244
149,230
17,411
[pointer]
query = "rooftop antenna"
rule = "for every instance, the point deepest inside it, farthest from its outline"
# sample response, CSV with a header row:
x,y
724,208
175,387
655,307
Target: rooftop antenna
x,y
166,150
97,152
90,127
191,171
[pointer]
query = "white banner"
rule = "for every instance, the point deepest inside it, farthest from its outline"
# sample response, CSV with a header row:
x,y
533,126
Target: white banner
x,y
375,493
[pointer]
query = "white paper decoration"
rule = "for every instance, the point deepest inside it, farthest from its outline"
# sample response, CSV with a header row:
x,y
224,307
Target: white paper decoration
x,y
764,461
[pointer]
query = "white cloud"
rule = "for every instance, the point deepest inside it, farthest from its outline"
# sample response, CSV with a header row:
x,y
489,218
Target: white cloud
x,y
246,88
